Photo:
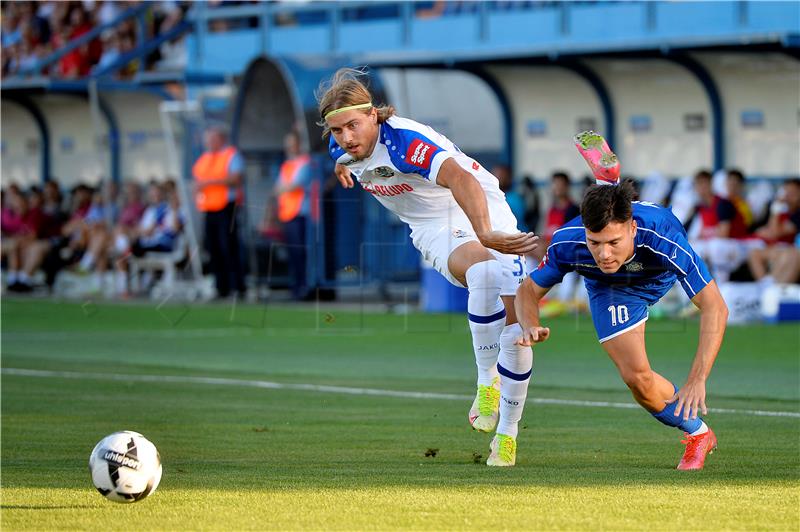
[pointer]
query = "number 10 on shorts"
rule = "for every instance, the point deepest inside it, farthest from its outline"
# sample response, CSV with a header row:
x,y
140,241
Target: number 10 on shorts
x,y
619,314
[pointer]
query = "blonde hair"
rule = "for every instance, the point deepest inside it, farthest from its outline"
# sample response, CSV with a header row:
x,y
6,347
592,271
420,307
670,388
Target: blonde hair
x,y
344,89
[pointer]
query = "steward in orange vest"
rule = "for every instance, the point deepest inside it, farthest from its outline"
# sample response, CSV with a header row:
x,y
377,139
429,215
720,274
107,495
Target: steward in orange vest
x,y
292,189
217,184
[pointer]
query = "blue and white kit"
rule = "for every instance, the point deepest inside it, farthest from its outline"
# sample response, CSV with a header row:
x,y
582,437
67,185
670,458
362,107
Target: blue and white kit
x,y
619,301
401,174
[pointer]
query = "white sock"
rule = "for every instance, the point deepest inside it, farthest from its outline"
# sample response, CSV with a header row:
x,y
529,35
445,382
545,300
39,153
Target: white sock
x,y
515,366
487,316
702,430
120,282
87,261
121,244
23,278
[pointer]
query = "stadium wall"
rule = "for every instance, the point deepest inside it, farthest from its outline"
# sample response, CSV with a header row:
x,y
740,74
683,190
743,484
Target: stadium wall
x,y
142,143
457,104
547,104
761,104
21,145
74,151
662,113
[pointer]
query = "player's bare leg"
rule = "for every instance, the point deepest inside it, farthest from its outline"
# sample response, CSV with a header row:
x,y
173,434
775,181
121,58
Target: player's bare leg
x,y
652,391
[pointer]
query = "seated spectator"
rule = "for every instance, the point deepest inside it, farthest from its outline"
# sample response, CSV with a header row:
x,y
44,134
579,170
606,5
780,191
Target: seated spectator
x,y
98,224
111,50
27,221
70,244
157,231
44,226
780,260
725,240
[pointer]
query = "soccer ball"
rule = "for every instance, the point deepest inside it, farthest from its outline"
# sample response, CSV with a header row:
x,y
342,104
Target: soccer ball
x,y
125,467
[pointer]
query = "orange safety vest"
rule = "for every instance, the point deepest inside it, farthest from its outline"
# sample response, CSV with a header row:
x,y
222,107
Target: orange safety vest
x,y
213,166
290,203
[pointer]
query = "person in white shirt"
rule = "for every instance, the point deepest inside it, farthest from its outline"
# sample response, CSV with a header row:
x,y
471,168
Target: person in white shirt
x,y
461,224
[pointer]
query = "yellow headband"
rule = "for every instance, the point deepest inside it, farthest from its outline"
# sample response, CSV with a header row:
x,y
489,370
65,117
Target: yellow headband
x,y
348,108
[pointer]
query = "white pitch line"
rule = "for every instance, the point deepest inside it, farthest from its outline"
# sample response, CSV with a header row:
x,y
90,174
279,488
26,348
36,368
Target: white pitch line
x,y
321,388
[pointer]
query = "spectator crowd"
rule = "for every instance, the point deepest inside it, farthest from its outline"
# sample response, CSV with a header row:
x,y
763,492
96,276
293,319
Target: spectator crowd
x,y
92,232
31,31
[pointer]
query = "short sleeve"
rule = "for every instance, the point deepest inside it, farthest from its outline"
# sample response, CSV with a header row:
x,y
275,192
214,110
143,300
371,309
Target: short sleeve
x,y
414,153
236,164
550,271
688,266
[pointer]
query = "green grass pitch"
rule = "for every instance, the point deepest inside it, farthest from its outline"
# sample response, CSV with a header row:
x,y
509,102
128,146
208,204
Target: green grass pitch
x,y
245,457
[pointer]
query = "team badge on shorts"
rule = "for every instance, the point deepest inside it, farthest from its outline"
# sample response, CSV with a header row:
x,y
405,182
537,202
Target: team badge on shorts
x,y
383,171
458,233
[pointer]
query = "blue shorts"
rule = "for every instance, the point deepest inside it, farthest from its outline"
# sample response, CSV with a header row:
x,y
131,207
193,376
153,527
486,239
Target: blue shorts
x,y
615,312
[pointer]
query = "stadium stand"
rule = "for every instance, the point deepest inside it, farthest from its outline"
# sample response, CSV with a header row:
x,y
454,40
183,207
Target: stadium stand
x,y
94,89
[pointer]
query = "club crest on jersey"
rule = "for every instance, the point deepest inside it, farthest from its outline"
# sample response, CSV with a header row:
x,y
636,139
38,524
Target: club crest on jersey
x,y
634,267
458,233
383,171
419,154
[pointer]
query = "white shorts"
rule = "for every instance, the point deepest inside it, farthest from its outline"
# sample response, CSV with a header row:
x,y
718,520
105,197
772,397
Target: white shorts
x,y
436,241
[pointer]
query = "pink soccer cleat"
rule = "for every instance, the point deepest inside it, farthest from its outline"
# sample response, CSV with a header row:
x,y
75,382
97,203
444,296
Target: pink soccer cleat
x,y
595,151
697,448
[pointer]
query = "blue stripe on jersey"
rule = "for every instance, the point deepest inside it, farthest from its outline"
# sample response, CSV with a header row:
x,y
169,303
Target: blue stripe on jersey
x,y
410,151
662,256
474,318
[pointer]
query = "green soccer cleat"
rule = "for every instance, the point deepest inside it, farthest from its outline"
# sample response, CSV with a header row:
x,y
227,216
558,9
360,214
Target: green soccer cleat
x,y
503,451
485,408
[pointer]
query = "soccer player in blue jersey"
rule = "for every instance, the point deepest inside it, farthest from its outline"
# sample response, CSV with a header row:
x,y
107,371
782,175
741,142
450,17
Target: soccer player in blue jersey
x,y
630,254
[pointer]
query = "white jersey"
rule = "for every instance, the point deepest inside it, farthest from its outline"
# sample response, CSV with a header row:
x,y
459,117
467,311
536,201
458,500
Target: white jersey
x,y
401,174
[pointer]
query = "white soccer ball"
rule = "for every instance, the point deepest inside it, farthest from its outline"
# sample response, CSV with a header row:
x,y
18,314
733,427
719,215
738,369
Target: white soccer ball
x,y
125,467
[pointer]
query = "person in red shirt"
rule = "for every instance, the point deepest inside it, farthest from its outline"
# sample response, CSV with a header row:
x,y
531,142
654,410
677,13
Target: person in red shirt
x,y
725,240
780,260
562,210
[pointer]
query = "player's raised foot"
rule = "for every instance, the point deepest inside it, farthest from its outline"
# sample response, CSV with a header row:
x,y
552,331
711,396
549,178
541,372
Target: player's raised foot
x,y
485,408
697,448
602,161
503,451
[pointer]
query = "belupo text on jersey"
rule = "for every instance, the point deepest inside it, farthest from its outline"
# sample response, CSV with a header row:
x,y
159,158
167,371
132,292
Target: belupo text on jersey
x,y
401,173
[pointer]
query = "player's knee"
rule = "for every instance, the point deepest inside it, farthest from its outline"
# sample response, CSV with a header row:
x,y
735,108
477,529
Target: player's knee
x,y
484,281
520,358
640,382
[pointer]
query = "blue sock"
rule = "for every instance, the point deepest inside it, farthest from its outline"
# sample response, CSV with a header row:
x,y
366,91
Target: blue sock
x,y
668,417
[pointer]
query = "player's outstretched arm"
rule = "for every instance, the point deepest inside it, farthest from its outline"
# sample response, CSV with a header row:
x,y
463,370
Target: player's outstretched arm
x,y
343,175
526,305
691,397
469,195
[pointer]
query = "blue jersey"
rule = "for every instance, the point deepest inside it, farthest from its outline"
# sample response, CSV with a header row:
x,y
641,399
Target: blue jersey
x,y
619,301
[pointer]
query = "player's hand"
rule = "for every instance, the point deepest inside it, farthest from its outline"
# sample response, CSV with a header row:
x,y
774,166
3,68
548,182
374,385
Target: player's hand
x,y
691,399
533,335
508,243
343,175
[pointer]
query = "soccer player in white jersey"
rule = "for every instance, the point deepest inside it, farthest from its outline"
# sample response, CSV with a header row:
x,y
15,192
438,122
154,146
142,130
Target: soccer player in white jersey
x,y
461,224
